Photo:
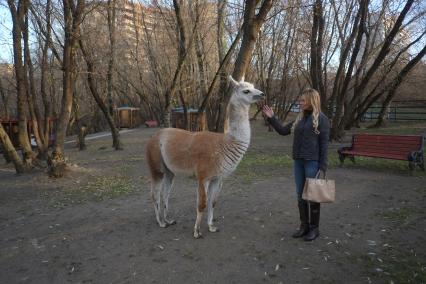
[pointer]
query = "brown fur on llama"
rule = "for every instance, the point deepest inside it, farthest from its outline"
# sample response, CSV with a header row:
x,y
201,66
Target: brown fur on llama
x,y
207,155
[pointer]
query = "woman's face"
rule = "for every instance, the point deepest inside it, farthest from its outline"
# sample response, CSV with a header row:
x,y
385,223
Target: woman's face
x,y
304,104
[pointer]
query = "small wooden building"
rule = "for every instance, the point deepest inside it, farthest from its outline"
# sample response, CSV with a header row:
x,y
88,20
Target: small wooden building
x,y
11,128
178,119
127,117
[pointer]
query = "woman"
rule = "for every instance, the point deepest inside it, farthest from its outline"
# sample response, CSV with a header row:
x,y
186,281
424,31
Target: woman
x,y
311,133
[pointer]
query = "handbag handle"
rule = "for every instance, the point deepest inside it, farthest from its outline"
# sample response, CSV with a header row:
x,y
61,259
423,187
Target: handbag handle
x,y
318,174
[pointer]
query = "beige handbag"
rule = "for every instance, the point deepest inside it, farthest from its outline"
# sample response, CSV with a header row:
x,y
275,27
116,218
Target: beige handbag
x,y
319,190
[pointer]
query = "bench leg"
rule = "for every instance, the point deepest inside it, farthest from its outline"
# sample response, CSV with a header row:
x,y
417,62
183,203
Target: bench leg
x,y
422,162
352,158
411,166
342,158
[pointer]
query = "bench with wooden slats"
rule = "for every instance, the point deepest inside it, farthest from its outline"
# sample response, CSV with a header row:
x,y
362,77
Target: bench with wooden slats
x,y
397,147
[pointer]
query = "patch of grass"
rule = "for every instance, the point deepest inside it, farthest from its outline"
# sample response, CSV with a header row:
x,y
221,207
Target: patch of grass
x,y
394,265
399,215
108,187
136,158
376,164
421,190
262,165
99,189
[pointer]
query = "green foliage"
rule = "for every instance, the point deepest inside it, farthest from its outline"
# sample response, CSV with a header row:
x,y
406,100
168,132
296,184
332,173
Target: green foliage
x,y
399,215
394,264
262,165
101,188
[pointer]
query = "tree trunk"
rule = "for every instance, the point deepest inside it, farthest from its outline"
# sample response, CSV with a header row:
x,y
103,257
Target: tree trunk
x,y
251,26
338,128
43,87
111,62
82,132
395,84
31,96
73,18
92,86
18,15
9,151
316,51
5,100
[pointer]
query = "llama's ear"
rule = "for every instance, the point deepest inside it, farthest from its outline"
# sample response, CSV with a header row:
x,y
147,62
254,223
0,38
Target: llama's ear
x,y
242,79
232,81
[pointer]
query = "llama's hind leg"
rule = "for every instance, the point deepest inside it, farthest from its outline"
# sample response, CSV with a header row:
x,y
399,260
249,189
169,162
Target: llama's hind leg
x,y
167,187
156,189
213,192
201,205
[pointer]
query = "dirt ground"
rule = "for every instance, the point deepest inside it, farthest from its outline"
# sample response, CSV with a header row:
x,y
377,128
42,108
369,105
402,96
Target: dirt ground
x,y
97,224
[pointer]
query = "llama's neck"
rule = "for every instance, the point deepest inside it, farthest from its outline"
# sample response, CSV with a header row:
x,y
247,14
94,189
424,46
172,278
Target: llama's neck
x,y
239,125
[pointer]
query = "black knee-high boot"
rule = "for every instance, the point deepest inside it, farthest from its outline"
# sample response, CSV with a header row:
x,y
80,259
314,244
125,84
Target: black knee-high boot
x,y
313,221
304,221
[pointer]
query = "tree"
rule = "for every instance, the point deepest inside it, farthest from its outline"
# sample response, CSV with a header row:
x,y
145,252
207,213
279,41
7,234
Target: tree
x,y
18,15
10,152
393,86
73,15
252,23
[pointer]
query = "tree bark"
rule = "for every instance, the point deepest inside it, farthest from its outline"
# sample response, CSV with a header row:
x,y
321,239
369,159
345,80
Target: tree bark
x,y
43,80
5,100
316,51
111,62
394,86
92,86
72,20
251,26
18,15
338,128
31,96
10,152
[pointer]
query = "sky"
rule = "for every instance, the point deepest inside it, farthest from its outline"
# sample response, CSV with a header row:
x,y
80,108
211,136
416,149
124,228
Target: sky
x,y
5,34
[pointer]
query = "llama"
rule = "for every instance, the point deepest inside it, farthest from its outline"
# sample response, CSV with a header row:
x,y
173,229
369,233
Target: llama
x,y
207,155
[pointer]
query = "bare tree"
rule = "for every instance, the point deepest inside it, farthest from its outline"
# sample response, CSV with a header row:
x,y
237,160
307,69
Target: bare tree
x,y
18,15
5,100
10,152
252,23
393,86
111,12
73,15
93,89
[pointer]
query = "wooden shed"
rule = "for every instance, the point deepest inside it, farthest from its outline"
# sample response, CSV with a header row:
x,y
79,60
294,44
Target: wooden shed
x,y
127,117
11,128
178,119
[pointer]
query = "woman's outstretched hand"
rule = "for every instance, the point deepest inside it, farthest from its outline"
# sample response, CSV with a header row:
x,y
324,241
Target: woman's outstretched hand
x,y
267,111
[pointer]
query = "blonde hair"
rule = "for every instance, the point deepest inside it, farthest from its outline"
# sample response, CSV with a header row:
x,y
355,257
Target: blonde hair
x,y
312,97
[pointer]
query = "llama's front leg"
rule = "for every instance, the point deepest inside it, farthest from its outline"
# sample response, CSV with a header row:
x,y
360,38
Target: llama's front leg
x,y
213,191
201,205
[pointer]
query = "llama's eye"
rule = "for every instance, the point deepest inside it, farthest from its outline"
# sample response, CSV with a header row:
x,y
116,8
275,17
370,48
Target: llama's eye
x,y
246,91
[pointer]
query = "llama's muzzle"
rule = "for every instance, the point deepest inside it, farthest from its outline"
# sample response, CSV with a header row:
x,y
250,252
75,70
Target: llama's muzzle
x,y
259,97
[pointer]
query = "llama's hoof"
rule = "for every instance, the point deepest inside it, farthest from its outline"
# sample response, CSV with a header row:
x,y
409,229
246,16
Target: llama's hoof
x,y
162,225
213,229
197,234
171,222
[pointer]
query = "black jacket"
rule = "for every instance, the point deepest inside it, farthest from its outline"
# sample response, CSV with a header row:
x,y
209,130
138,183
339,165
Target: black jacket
x,y
307,144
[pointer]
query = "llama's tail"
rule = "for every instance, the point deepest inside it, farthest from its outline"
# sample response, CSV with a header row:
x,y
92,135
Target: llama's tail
x,y
154,159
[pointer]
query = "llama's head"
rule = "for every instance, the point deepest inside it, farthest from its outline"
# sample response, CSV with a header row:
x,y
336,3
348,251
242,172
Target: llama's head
x,y
244,92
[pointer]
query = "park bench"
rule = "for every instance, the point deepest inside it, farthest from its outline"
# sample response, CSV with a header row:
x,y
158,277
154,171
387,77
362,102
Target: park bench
x,y
151,123
397,147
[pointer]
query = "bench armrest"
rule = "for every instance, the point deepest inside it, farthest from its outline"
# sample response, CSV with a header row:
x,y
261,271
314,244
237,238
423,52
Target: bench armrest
x,y
343,149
